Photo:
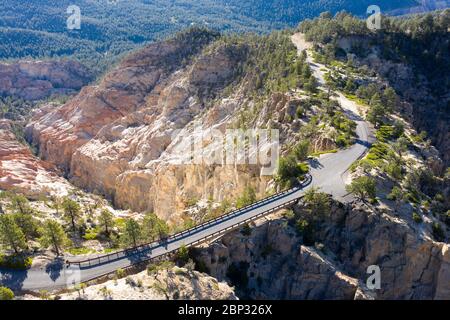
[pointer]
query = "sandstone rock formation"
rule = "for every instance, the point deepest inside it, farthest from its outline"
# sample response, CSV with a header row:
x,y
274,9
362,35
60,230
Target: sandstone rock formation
x,y
172,284
35,80
127,137
21,171
120,137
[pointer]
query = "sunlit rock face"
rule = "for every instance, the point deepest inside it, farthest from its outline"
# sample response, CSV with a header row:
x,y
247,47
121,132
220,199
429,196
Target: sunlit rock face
x,y
35,80
21,171
126,137
118,137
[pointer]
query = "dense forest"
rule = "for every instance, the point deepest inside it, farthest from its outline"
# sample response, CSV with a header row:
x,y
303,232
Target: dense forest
x,y
292,11
38,29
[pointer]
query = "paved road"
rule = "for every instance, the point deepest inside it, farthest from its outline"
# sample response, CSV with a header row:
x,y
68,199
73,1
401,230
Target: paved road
x,y
59,275
328,172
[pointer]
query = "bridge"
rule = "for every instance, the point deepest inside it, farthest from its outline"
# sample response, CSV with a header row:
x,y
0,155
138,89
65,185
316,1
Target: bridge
x,y
204,232
328,173
61,274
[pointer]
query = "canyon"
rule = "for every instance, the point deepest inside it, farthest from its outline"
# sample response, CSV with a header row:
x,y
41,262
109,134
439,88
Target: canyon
x,y
117,138
125,137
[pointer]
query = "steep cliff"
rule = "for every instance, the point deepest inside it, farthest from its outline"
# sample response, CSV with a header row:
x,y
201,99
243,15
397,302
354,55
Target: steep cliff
x,y
125,138
35,80
273,262
23,172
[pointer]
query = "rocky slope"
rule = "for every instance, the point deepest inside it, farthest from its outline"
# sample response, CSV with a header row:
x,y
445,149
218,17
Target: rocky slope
x,y
35,80
126,136
422,107
21,171
167,284
274,263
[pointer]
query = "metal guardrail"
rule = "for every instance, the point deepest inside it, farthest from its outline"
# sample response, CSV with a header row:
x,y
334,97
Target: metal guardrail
x,y
197,242
149,246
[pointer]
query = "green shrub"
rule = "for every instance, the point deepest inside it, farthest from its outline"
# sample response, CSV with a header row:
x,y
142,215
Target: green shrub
x,y
237,273
438,232
15,262
417,218
363,188
394,170
182,255
157,266
247,198
447,218
91,234
79,251
300,112
246,230
385,133
378,151
413,197
290,170
120,273
6,294
305,229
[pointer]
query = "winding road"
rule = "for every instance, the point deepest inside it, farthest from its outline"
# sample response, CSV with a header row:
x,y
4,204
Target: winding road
x,y
327,173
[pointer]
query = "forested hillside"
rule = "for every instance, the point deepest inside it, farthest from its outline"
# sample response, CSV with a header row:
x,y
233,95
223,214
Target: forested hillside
x,y
412,55
37,28
292,11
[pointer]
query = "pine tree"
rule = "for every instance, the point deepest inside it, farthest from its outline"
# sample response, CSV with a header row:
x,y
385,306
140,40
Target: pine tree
x,y
390,99
377,110
132,233
311,85
11,236
20,203
363,188
72,211
106,221
53,235
27,224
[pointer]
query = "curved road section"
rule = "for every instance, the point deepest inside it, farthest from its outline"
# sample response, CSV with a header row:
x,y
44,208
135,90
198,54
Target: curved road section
x,y
327,173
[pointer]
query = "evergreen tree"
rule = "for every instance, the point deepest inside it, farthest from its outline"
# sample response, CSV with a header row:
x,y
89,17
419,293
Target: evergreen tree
x,y
106,221
390,99
377,111
248,197
10,234
53,235
72,211
132,233
19,203
154,228
301,150
363,188
27,224
311,85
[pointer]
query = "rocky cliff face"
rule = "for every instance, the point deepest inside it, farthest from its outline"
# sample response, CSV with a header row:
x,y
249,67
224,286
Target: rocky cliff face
x,y
21,171
276,264
35,80
126,136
